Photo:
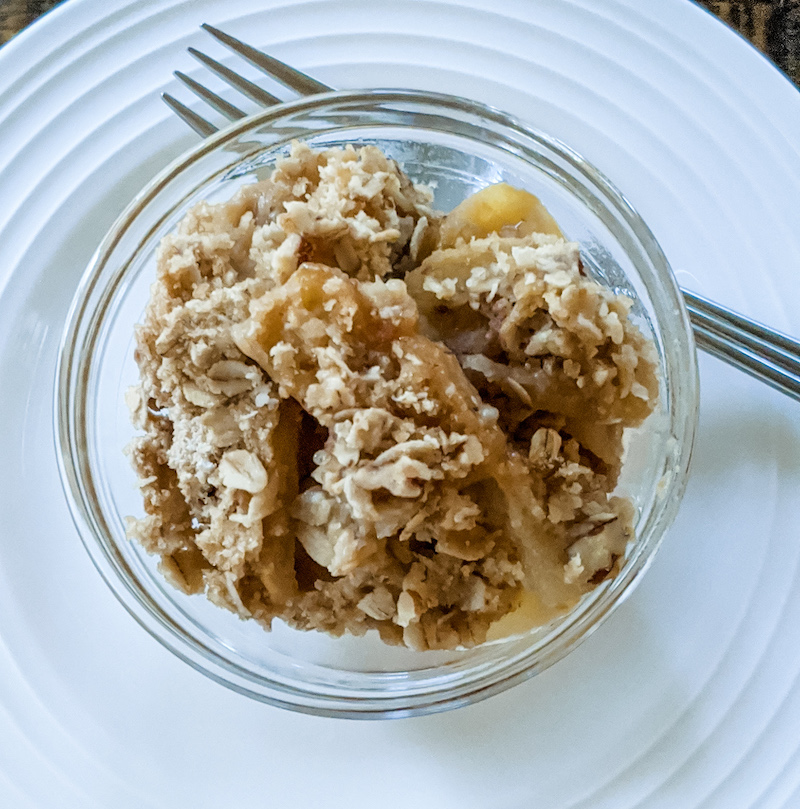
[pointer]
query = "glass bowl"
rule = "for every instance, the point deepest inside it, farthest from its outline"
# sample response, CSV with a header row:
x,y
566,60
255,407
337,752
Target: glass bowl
x,y
457,146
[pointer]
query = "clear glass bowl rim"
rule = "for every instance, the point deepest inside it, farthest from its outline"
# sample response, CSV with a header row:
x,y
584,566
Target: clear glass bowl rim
x,y
72,374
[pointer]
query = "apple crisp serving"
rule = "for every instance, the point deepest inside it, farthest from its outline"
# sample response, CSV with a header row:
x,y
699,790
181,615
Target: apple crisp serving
x,y
356,413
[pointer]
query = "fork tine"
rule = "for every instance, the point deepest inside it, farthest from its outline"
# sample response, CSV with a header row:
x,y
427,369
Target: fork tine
x,y
231,112
235,80
200,125
287,76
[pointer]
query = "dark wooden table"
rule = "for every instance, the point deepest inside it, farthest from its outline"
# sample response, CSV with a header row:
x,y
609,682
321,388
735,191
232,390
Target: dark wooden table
x,y
771,25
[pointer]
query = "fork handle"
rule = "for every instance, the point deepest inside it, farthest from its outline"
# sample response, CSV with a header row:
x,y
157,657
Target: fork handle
x,y
766,354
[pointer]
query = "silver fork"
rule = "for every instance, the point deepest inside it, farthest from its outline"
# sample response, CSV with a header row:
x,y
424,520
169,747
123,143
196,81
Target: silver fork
x,y
293,79
756,349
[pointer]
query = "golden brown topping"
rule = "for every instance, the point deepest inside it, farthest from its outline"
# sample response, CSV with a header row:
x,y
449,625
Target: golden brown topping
x,y
359,414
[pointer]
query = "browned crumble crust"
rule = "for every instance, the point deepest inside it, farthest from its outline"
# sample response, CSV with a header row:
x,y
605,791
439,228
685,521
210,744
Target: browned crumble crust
x,y
348,427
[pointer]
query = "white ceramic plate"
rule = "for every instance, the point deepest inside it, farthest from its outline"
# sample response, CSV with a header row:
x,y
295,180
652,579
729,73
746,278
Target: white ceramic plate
x,y
688,696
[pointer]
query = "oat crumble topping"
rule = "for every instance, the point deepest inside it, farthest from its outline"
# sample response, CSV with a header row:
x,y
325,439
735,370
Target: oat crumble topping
x,y
357,413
